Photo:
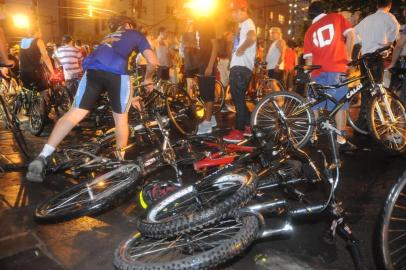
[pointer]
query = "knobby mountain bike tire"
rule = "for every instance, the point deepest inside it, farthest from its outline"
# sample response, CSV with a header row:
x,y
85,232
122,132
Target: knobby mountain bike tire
x,y
89,197
182,112
391,135
390,234
299,117
200,204
15,129
202,249
37,115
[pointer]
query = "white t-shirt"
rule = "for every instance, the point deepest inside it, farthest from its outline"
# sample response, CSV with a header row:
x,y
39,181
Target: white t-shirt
x,y
377,31
248,58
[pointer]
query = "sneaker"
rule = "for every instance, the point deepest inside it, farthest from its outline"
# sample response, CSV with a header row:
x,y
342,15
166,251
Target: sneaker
x,y
213,121
235,136
347,147
36,170
395,138
205,127
247,131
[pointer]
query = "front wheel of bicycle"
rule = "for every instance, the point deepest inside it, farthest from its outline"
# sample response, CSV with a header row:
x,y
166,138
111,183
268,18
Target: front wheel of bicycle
x,y
89,197
202,249
391,237
295,113
37,115
387,122
182,112
203,203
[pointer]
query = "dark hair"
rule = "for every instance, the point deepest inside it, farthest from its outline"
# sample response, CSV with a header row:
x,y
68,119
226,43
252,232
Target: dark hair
x,y
66,39
117,21
383,3
291,44
315,9
78,42
161,30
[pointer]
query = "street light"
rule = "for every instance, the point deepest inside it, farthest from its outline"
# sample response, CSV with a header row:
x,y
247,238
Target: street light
x,y
202,7
21,21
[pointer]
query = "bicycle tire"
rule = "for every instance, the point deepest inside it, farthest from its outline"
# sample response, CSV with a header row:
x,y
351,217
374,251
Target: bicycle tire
x,y
221,242
265,117
386,237
182,112
242,186
37,115
15,129
63,207
218,97
267,87
64,101
393,141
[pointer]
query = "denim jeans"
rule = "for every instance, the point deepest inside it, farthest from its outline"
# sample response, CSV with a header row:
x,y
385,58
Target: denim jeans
x,y
239,81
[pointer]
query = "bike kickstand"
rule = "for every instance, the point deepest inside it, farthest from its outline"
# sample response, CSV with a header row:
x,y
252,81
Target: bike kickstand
x,y
353,244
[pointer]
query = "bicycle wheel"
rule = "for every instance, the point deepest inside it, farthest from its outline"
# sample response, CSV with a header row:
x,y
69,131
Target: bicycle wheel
x,y
89,197
37,115
298,116
64,101
15,129
203,203
182,112
387,122
219,97
391,233
201,249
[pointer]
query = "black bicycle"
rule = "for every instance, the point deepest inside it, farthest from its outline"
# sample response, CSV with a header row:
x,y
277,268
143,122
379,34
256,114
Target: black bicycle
x,y
12,122
386,116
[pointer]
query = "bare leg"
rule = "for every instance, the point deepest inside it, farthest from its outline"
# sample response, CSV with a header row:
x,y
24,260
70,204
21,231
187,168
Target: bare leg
x,y
122,132
65,125
208,111
341,123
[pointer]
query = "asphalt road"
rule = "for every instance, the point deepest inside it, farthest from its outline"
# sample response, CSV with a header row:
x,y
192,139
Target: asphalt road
x,y
89,242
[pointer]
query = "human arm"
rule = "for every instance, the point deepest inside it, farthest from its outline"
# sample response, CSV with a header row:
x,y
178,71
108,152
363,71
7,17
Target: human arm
x,y
248,42
349,43
45,57
3,51
398,49
152,63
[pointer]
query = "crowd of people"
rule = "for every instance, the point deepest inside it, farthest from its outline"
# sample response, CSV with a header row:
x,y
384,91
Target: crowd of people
x,y
201,57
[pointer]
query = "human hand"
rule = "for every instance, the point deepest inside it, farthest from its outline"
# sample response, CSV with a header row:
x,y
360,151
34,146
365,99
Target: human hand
x,y
4,73
240,52
136,103
208,71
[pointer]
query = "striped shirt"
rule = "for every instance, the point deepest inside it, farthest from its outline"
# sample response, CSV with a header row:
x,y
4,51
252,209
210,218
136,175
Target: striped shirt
x,y
71,61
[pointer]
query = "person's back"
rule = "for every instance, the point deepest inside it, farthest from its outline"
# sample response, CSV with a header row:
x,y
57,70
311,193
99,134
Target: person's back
x,y
30,55
114,51
70,58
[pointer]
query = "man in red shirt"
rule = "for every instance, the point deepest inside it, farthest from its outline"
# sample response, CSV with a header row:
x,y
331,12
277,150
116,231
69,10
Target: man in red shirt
x,y
328,42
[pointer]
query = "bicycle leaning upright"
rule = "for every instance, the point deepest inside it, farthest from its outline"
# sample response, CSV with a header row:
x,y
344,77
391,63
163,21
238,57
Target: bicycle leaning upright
x,y
386,117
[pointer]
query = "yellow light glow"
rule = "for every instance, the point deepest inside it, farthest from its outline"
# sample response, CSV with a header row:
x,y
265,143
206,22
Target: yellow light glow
x,y
21,21
90,7
202,7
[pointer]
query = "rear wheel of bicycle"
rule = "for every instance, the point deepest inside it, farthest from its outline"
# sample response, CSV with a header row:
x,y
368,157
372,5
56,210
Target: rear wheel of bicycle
x,y
387,122
219,96
200,204
205,248
89,197
299,118
182,112
37,115
15,129
391,233
65,100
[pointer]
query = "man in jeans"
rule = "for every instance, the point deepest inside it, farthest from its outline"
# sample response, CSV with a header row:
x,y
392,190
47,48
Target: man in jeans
x,y
374,32
242,64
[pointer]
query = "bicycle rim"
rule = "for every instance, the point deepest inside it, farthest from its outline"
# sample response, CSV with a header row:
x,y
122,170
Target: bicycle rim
x,y
182,113
37,116
392,233
298,117
387,122
218,97
201,249
88,197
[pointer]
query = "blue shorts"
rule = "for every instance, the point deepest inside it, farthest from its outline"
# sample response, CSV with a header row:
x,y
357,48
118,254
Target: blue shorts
x,y
94,82
331,78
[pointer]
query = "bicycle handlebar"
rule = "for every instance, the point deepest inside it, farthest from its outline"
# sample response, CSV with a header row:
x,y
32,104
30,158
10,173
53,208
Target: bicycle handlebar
x,y
378,52
6,66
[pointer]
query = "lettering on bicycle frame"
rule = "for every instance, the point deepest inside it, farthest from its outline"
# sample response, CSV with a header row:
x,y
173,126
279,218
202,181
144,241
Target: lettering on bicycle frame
x,y
353,91
318,37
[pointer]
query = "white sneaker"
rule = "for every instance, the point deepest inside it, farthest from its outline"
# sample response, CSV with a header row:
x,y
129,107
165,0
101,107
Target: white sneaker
x,y
395,138
213,121
204,128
